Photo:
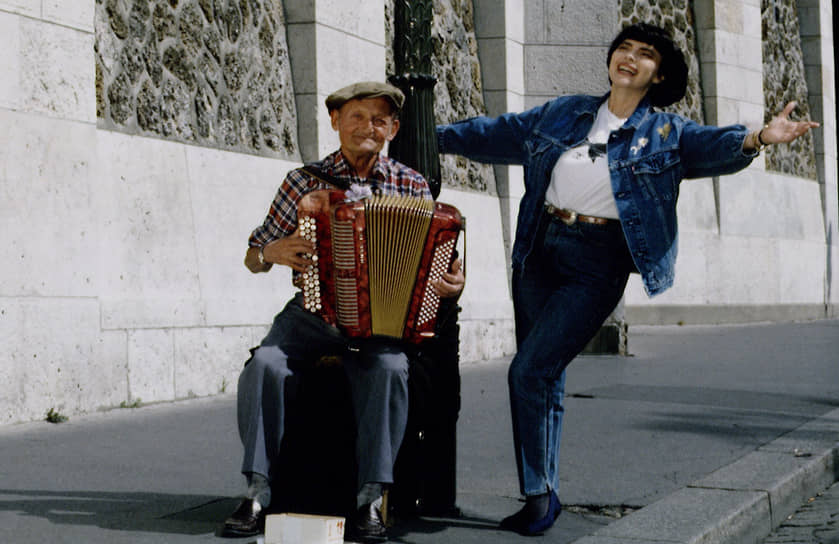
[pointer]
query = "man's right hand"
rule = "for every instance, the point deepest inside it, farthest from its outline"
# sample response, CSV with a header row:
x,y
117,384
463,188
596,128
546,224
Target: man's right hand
x,y
293,251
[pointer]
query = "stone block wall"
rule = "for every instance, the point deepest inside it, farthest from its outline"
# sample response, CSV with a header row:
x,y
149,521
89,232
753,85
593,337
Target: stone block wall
x,y
784,80
742,237
48,316
458,93
565,46
122,279
122,248
124,226
332,43
209,72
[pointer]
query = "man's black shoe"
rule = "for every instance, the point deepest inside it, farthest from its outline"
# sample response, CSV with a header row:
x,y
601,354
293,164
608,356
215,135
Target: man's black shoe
x,y
247,520
367,525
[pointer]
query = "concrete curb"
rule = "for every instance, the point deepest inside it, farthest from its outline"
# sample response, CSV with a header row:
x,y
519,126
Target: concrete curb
x,y
741,502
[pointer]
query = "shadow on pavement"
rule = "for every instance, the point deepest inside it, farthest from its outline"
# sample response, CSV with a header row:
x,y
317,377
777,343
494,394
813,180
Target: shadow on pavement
x,y
136,512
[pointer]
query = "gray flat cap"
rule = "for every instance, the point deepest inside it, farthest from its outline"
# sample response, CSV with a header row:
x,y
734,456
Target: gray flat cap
x,y
365,89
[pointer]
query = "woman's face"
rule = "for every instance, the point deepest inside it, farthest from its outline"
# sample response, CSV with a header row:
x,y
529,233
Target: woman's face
x,y
634,66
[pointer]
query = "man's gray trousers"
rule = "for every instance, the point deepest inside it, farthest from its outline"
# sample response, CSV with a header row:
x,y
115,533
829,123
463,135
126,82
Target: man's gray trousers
x,y
377,372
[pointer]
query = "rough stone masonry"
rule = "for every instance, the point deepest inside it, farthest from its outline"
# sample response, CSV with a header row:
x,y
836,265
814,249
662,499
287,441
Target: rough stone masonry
x,y
209,72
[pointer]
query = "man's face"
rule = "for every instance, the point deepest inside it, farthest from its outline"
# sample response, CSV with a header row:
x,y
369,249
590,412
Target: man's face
x,y
364,125
635,65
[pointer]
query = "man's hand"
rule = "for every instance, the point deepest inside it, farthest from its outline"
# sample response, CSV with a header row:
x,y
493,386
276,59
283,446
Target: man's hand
x,y
452,282
293,251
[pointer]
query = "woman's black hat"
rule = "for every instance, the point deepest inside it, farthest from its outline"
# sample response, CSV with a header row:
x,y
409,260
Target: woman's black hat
x,y
673,68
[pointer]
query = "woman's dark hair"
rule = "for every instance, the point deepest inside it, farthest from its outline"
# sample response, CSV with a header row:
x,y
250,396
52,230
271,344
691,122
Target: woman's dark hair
x,y
673,67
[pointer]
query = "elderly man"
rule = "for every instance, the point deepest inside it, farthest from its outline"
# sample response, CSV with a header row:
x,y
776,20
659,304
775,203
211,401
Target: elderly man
x,y
365,115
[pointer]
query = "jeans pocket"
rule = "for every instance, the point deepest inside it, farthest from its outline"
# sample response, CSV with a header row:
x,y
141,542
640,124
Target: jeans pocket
x,y
599,237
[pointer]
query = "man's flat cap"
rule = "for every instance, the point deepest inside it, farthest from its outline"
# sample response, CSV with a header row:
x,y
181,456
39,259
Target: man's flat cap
x,y
365,89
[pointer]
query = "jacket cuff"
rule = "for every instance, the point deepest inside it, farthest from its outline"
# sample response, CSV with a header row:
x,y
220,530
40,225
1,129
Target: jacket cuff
x,y
441,135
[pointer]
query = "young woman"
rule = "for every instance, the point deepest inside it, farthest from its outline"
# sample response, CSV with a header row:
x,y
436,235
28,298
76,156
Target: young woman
x,y
602,177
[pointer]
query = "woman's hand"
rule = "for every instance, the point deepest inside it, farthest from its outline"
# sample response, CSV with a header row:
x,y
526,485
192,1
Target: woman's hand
x,y
781,129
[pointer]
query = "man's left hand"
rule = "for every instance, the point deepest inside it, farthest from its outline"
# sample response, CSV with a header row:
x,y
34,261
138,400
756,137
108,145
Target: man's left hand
x,y
452,282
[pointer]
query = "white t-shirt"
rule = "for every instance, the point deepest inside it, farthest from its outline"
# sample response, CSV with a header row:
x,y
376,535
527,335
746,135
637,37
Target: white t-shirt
x,y
580,178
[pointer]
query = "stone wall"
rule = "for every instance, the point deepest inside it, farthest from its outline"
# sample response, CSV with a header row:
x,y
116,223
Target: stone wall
x,y
144,297
784,76
784,80
759,243
458,93
209,72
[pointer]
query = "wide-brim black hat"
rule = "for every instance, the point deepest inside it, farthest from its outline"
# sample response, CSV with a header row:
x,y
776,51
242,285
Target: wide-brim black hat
x,y
673,68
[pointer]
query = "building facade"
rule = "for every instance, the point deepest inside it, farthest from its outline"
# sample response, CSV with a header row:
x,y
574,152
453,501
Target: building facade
x,y
143,140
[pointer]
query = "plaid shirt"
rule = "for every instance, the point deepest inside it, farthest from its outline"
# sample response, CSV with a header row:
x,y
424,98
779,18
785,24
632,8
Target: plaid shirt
x,y
389,176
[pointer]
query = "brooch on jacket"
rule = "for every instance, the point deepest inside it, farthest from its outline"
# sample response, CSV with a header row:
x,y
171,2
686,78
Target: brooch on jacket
x,y
642,143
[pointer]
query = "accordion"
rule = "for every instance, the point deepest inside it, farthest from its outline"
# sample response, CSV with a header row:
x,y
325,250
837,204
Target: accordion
x,y
375,260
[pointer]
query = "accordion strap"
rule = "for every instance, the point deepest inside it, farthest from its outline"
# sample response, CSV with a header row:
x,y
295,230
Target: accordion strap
x,y
320,175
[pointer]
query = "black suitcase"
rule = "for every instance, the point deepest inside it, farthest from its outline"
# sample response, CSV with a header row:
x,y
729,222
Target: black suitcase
x,y
425,475
317,471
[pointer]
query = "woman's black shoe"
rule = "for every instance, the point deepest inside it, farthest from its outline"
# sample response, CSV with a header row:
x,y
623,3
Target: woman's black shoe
x,y
530,522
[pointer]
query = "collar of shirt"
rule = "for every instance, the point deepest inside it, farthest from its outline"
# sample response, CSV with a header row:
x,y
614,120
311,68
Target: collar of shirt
x,y
338,166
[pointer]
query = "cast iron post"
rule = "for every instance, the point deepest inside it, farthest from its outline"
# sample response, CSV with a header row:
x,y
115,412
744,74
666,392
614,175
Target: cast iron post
x,y
425,471
416,144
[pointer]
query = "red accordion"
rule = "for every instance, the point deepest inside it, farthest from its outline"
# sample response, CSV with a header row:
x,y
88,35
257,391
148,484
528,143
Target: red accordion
x,y
375,261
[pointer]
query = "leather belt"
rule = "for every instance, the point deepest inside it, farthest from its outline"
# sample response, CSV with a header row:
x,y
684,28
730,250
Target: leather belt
x,y
569,217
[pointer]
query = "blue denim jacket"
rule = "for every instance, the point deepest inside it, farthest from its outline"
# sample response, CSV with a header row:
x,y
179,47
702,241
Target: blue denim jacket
x,y
648,158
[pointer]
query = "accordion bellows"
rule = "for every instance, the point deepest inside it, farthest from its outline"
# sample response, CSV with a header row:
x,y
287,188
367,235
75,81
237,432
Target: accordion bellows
x,y
375,260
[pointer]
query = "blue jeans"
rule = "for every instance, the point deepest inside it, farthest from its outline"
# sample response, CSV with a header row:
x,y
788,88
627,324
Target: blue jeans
x,y
570,283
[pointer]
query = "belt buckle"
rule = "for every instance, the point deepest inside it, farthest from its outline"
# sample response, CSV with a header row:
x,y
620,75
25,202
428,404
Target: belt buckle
x,y
571,219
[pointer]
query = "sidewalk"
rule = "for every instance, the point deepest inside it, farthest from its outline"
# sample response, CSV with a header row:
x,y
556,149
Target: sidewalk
x,y
705,434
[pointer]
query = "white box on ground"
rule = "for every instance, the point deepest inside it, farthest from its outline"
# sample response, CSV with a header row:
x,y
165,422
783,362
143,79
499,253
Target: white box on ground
x,y
303,529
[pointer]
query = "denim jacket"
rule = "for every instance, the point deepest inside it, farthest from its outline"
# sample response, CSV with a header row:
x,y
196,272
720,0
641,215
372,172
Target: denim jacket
x,y
648,158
